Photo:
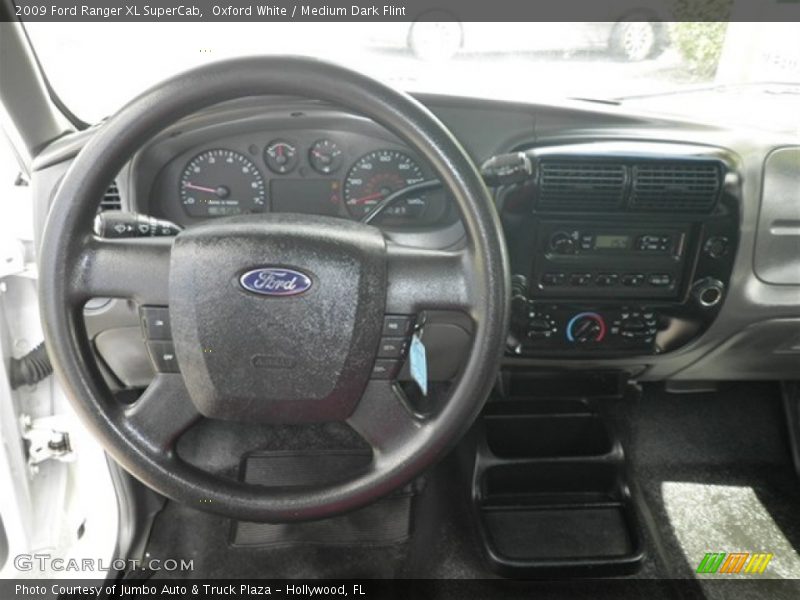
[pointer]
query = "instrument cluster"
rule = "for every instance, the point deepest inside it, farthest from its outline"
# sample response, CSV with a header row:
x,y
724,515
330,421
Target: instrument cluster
x,y
342,173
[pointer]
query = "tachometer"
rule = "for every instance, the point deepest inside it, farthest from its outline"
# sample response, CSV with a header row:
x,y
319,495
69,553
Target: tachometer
x,y
222,182
378,174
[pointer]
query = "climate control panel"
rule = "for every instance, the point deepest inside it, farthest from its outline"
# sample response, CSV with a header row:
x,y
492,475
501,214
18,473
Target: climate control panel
x,y
576,329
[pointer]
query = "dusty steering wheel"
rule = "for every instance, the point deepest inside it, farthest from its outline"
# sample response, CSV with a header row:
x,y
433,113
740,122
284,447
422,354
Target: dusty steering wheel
x,y
297,358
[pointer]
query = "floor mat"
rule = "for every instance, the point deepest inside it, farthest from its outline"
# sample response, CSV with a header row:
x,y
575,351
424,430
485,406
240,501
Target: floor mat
x,y
715,472
183,532
189,534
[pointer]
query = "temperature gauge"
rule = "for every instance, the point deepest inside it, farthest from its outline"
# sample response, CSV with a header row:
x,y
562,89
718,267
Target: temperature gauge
x,y
281,157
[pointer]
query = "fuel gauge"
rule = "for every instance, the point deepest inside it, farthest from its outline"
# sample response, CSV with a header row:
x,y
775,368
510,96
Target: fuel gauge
x,y
281,157
325,156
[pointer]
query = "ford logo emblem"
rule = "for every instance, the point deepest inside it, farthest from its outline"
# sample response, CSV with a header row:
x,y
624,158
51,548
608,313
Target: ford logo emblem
x,y
274,281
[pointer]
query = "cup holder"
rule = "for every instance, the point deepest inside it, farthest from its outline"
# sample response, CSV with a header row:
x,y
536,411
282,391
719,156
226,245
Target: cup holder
x,y
550,493
545,436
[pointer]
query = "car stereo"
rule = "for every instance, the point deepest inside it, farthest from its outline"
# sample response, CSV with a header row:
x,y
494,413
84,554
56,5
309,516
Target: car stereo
x,y
575,260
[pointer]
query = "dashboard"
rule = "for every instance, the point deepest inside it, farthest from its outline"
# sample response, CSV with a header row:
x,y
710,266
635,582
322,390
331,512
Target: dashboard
x,y
659,248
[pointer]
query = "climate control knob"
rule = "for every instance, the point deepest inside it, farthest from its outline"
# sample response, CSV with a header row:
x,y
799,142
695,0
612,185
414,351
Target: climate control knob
x,y
540,325
586,327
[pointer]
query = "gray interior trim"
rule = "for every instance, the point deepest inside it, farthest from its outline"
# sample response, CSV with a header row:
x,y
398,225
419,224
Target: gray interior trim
x,y
23,92
3,544
777,255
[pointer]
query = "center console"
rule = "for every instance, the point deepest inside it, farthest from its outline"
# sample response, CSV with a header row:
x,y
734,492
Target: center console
x,y
619,248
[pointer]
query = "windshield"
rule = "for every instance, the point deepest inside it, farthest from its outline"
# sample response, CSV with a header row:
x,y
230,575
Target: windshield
x,y
96,67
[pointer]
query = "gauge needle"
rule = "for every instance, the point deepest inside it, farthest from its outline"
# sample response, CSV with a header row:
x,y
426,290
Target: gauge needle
x,y
366,199
200,188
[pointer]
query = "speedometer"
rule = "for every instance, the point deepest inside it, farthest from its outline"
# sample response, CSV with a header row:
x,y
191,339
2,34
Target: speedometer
x,y
222,182
376,175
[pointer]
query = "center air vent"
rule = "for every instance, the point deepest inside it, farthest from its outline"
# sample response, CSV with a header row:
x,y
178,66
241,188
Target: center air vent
x,y
684,187
111,199
580,185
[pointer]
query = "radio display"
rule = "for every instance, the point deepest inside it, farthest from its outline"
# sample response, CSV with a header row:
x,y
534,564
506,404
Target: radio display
x,y
612,242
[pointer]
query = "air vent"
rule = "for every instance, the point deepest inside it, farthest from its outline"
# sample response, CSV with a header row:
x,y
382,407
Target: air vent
x,y
111,200
580,185
682,187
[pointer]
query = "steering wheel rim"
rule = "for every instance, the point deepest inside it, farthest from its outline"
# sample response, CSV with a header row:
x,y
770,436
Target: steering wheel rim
x,y
75,266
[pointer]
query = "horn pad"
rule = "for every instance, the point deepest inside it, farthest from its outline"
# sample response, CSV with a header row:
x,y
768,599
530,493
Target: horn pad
x,y
277,317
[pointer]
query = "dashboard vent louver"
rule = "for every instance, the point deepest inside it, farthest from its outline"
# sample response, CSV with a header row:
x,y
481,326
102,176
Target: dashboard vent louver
x,y
111,199
580,185
683,187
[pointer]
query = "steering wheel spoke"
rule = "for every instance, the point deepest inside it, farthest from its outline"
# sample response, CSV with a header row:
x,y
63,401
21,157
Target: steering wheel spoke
x,y
135,268
383,419
161,414
422,279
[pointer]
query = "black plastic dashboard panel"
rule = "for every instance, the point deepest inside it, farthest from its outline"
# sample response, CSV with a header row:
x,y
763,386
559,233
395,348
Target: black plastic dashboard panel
x,y
620,248
777,257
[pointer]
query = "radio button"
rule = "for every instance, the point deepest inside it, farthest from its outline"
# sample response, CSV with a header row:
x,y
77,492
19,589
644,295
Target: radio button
x,y
659,279
580,279
633,279
554,279
606,279
654,243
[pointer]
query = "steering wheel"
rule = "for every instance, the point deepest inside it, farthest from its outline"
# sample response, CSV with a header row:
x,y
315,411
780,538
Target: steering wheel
x,y
288,358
